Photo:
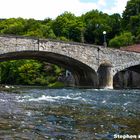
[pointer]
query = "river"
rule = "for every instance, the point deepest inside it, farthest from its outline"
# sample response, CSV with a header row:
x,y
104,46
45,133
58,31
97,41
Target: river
x,y
68,114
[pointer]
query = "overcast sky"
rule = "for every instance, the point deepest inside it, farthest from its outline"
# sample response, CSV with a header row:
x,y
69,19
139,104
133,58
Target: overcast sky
x,y
41,9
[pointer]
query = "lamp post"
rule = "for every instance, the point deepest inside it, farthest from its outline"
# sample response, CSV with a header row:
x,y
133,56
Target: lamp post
x,y
104,33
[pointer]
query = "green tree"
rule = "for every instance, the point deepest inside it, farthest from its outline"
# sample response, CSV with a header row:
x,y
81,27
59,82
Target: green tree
x,y
131,18
61,24
76,30
131,15
29,72
96,22
134,24
47,31
32,28
115,23
68,26
46,28
9,72
12,26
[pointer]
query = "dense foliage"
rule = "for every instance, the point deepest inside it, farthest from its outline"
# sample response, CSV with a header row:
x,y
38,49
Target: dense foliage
x,y
125,39
29,72
130,24
88,28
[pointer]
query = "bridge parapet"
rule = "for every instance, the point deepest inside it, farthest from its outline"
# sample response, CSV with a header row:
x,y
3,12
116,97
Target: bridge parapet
x,y
17,44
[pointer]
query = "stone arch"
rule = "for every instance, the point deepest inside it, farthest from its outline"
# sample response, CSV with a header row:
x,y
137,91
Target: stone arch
x,y
105,75
128,65
84,76
127,78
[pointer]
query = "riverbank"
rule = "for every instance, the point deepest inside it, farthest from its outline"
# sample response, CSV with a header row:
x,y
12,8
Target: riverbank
x,y
12,87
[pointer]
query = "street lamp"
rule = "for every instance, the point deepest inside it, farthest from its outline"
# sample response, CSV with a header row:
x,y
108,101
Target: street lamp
x,y
104,33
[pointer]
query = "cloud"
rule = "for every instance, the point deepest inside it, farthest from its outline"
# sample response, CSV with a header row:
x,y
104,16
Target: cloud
x,y
41,9
118,7
102,3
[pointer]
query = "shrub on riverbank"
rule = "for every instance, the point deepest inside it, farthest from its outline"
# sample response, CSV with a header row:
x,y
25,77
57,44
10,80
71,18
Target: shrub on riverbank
x,y
29,72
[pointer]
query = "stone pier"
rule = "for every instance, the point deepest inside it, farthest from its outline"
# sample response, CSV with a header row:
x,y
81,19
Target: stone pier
x,y
105,76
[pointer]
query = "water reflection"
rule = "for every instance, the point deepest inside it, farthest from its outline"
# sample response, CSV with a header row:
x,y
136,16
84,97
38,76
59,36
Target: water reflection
x,y
40,114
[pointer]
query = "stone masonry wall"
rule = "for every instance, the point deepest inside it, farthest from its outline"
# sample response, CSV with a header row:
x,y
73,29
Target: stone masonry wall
x,y
92,56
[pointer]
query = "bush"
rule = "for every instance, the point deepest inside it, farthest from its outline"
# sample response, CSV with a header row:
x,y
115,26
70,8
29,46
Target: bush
x,y
56,85
124,39
62,38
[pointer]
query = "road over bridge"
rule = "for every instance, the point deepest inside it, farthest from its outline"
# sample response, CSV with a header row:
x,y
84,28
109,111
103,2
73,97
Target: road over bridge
x,y
91,66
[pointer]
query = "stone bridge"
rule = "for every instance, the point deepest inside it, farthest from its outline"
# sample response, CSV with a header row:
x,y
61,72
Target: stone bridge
x,y
91,66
